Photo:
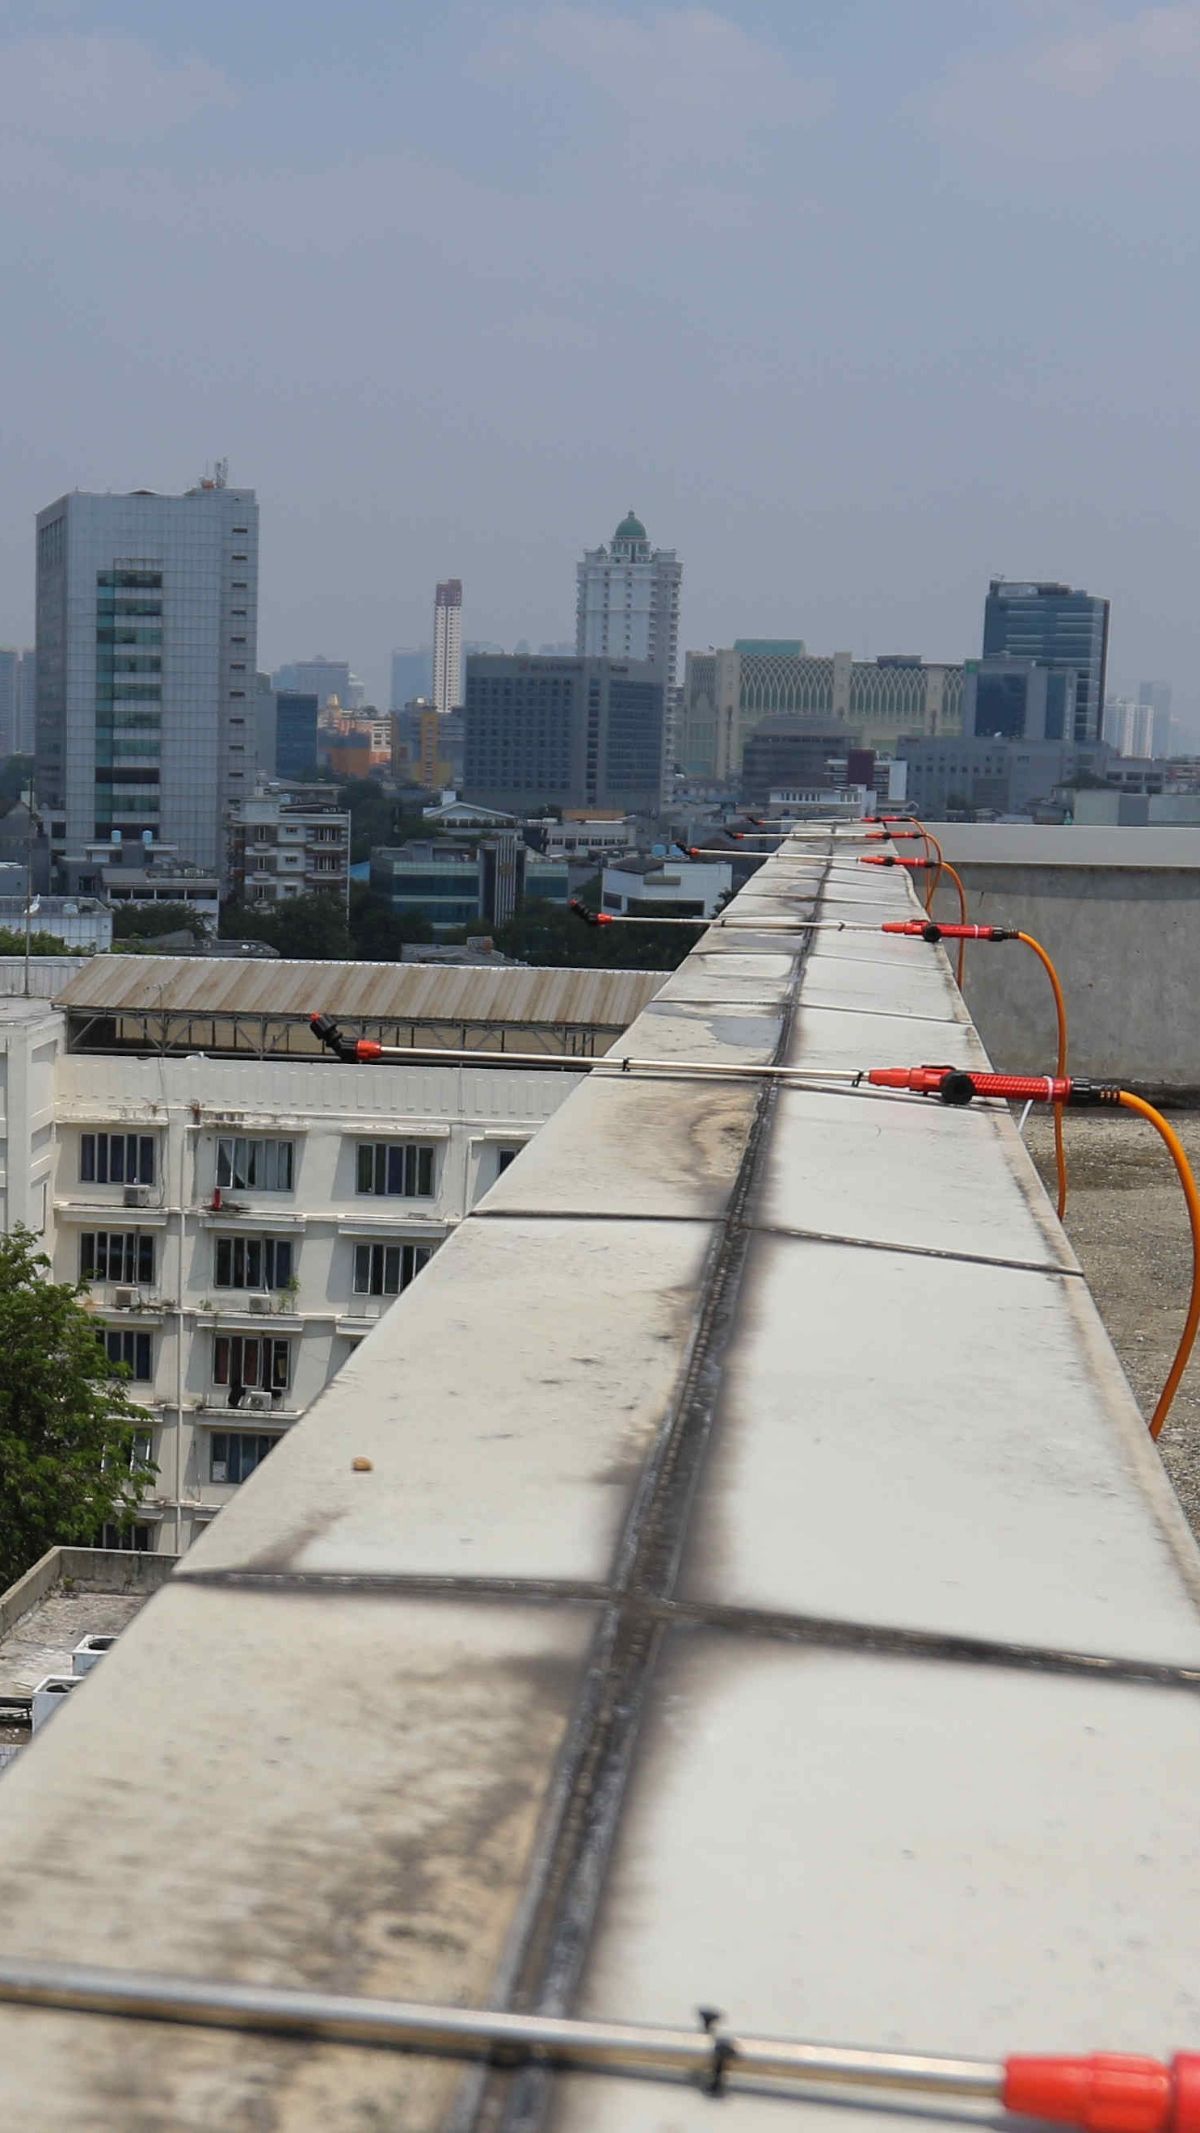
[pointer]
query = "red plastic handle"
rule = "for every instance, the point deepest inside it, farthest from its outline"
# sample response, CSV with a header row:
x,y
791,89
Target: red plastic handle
x,y
1108,2093
1015,1088
919,929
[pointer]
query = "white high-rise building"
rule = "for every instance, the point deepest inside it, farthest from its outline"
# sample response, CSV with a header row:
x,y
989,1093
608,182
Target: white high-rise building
x,y
147,628
627,605
447,646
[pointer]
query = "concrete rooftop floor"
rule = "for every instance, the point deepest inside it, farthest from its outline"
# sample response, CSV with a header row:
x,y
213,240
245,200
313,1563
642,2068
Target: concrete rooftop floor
x,y
1127,1221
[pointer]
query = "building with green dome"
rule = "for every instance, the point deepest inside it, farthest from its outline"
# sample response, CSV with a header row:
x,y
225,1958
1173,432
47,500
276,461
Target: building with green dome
x,y
627,603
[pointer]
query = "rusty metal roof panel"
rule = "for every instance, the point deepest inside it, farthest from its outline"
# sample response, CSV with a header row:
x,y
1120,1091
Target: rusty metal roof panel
x,y
401,992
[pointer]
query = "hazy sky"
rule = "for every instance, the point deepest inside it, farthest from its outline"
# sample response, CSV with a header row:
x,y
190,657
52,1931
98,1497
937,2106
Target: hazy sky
x,y
856,301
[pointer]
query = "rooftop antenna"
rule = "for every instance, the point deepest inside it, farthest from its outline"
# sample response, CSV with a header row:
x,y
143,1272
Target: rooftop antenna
x,y
219,477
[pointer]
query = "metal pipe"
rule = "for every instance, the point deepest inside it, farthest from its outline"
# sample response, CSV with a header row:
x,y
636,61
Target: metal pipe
x,y
712,2054
606,1065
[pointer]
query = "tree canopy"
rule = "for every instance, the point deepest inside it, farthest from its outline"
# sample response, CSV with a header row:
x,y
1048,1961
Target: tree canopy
x,y
144,922
71,1440
12,942
549,934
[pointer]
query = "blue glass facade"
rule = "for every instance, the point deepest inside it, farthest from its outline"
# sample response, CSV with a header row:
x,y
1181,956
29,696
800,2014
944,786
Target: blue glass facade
x,y
1059,627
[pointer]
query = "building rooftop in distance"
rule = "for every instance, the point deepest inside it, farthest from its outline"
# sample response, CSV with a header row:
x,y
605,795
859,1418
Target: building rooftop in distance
x,y
72,1593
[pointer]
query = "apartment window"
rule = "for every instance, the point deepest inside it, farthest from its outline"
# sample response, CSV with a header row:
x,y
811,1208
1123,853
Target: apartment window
x,y
116,1158
254,1165
253,1263
505,1156
116,1255
396,1169
235,1454
246,1363
386,1269
132,1350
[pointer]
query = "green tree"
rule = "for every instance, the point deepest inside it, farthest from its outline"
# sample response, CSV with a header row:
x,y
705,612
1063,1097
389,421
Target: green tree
x,y
12,942
70,1460
379,934
144,922
549,934
305,929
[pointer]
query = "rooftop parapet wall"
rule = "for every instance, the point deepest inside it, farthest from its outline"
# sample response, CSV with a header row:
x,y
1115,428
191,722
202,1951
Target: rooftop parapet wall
x,y
735,1574
1119,910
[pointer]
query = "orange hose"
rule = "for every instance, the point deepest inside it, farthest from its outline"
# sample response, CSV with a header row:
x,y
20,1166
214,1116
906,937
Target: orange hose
x,y
944,867
1178,1155
1060,1009
930,839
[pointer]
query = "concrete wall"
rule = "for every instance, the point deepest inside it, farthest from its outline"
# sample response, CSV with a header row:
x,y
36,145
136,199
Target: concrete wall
x,y
1125,940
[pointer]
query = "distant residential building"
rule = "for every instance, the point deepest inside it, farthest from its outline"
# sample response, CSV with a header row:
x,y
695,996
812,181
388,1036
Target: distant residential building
x,y
580,733
147,612
1019,699
283,845
447,645
728,692
427,745
677,888
627,601
1058,626
322,678
789,751
1135,726
459,883
412,675
144,872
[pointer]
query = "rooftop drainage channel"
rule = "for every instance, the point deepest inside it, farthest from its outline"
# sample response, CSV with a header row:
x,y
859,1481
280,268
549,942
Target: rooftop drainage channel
x,y
553,1935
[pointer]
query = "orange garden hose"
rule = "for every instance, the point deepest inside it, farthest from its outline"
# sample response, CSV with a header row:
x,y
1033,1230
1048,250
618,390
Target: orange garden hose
x,y
1060,1009
1178,1155
944,867
931,840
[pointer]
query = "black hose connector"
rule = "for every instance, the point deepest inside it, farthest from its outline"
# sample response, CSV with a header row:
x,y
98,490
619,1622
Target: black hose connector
x,y
327,1033
1087,1094
956,1087
580,910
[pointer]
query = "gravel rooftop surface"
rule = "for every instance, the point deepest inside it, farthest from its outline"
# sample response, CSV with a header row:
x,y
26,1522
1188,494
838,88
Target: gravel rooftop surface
x,y
1127,1221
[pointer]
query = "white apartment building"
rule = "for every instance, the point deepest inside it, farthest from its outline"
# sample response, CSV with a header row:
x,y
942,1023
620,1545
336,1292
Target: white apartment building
x,y
447,646
281,845
627,601
243,1207
147,626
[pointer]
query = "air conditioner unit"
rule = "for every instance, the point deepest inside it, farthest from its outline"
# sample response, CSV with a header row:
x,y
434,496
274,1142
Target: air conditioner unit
x,y
258,1403
260,1304
48,1695
124,1299
137,1196
89,1652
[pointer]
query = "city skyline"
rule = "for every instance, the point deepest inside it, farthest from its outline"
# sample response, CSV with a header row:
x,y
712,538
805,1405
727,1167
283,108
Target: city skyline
x,y
854,300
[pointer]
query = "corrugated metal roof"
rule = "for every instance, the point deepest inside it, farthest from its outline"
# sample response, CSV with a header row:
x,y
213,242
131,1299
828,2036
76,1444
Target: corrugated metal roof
x,y
380,992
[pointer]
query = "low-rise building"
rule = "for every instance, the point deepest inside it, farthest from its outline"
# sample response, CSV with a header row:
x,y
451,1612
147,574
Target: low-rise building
x,y
242,1207
461,882
283,844
672,888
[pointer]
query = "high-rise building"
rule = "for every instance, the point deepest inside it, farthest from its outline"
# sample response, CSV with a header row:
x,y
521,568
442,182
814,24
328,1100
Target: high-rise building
x,y
1138,726
10,667
1019,700
627,601
17,670
447,645
412,671
1058,626
287,733
322,678
147,624
566,732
